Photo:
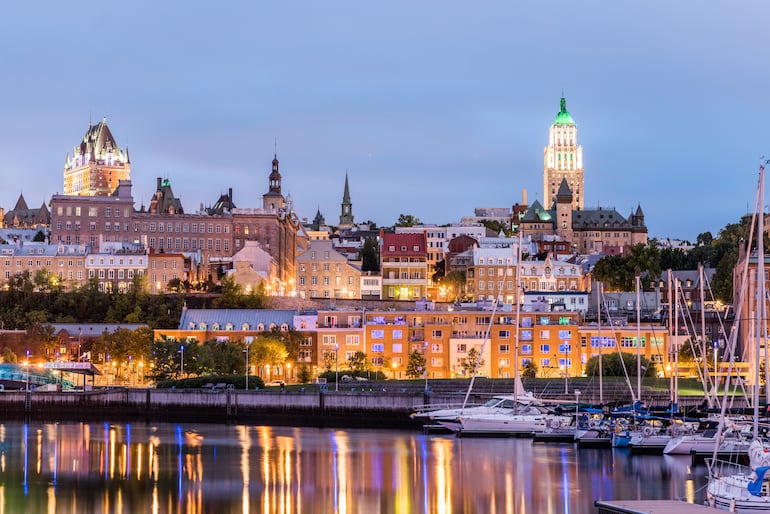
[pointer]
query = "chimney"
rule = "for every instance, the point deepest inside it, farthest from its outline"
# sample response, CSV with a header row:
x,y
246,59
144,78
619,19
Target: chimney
x,y
524,197
159,183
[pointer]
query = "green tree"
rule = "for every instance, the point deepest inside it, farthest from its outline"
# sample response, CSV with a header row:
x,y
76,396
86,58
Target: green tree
x,y
304,374
496,227
529,370
267,350
415,366
9,356
454,282
407,220
613,366
358,362
370,257
471,362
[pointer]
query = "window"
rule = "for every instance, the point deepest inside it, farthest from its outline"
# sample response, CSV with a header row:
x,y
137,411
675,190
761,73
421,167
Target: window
x,y
545,334
504,334
504,348
397,348
435,347
565,348
526,335
329,339
378,347
565,334
378,334
437,333
545,348
351,339
504,363
398,334
526,349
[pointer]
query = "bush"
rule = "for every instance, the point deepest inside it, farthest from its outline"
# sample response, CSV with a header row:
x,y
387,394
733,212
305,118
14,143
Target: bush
x,y
198,382
331,376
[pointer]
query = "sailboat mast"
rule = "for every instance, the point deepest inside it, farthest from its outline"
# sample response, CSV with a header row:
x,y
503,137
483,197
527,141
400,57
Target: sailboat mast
x,y
669,285
675,371
516,374
703,332
599,337
760,308
638,342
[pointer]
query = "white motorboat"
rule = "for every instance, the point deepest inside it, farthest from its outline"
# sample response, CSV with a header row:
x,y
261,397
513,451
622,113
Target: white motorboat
x,y
524,420
498,404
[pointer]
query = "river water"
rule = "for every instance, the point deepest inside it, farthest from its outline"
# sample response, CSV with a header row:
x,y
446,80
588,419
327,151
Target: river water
x,y
202,468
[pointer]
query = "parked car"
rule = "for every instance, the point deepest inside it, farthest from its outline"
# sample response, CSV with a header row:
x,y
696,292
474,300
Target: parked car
x,y
275,383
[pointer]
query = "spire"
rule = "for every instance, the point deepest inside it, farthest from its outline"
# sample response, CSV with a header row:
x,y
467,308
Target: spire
x,y
563,117
346,194
346,215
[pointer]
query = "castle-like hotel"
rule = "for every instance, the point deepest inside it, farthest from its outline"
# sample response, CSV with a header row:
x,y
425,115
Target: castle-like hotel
x,y
95,232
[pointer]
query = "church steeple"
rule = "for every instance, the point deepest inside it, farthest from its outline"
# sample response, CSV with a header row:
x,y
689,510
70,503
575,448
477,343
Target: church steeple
x,y
273,199
346,217
275,177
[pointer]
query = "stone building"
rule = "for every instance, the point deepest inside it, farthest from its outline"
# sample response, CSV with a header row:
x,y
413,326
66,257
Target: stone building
x,y
97,164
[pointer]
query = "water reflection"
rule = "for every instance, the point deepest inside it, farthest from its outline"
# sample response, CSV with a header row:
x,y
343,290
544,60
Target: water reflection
x,y
191,469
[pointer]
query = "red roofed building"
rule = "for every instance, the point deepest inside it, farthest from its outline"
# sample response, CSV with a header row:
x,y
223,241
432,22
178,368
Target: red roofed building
x,y
404,265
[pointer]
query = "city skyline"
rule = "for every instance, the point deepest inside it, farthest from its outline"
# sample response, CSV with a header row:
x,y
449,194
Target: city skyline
x,y
430,112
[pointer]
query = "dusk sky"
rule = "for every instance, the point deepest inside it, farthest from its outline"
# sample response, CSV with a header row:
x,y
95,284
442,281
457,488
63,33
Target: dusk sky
x,y
434,108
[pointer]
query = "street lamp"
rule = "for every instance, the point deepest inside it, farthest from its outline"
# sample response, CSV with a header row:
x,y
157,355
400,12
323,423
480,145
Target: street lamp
x,y
181,360
425,356
246,351
336,367
577,404
566,368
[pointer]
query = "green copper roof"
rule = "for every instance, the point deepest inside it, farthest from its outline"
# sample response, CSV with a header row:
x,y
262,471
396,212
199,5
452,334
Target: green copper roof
x,y
563,118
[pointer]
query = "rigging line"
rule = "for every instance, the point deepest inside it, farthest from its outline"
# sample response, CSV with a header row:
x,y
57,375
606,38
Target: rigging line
x,y
483,346
617,348
744,274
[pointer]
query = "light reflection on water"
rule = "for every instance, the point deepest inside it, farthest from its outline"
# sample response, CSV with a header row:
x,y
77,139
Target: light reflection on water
x,y
192,469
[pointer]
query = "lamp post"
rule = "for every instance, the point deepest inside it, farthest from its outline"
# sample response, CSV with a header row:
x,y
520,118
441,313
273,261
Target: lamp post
x,y
577,404
566,368
246,351
181,360
336,367
425,356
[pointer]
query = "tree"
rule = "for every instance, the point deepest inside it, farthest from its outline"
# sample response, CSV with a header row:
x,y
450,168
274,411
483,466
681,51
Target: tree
x,y
495,226
454,282
267,350
613,270
407,220
529,370
370,256
471,362
415,366
9,356
303,374
358,362
613,366
704,239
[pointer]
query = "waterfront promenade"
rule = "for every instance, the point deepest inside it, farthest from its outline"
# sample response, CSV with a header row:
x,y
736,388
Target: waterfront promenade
x,y
366,404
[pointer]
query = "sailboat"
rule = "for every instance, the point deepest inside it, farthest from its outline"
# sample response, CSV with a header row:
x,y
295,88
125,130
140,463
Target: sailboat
x,y
731,486
526,415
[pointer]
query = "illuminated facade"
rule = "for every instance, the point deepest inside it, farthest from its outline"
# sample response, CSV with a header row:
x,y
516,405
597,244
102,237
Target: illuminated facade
x,y
563,159
97,164
553,341
404,266
323,272
64,264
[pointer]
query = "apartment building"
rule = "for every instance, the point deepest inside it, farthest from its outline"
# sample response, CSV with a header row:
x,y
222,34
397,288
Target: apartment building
x,y
404,266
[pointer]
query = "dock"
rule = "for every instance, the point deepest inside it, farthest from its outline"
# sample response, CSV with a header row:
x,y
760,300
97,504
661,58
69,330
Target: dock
x,y
650,507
